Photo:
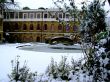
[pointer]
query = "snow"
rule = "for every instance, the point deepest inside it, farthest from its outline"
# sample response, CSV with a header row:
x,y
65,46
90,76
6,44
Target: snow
x,y
37,60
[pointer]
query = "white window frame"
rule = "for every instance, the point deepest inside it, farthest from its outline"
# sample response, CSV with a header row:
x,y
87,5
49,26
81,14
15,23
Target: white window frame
x,y
31,15
24,15
66,16
60,14
44,15
37,15
16,15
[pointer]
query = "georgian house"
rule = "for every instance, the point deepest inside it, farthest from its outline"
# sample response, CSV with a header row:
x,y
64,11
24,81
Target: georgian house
x,y
37,25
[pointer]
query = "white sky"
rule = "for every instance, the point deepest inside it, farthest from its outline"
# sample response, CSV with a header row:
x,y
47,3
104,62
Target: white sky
x,y
34,4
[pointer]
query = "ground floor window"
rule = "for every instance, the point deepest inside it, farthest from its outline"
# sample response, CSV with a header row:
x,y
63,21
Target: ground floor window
x,y
0,36
38,39
24,27
45,26
38,26
31,27
59,27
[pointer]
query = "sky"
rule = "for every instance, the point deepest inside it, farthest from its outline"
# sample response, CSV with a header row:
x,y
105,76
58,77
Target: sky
x,y
34,4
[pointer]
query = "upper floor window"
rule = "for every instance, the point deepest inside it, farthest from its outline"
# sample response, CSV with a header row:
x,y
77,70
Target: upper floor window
x,y
67,15
11,14
24,26
59,27
60,15
31,27
25,15
45,15
16,15
45,26
38,15
38,26
31,15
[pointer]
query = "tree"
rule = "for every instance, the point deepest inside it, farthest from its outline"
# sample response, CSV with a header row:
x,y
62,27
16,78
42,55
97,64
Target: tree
x,y
94,29
4,4
26,8
21,74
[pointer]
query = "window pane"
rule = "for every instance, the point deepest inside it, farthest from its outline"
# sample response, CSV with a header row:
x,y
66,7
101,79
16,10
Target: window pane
x,y
59,27
24,27
31,26
67,28
60,15
16,15
45,15
38,15
11,14
45,26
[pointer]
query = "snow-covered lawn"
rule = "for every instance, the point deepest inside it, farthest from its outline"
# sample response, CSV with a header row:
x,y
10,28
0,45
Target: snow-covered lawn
x,y
37,60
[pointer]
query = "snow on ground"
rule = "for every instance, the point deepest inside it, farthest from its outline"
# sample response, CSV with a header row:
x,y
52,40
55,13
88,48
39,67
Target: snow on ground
x,y
36,60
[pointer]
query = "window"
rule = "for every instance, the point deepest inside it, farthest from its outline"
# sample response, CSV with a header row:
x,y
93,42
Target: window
x,y
16,15
45,15
38,15
5,15
38,26
59,27
31,26
60,15
25,15
31,15
75,28
16,26
20,15
67,27
38,39
11,14
1,22
24,27
67,15
0,36
45,26
52,27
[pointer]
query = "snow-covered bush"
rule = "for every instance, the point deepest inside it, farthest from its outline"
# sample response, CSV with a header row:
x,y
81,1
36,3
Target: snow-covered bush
x,y
21,74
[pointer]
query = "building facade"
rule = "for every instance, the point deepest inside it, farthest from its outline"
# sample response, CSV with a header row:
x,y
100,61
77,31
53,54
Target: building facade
x,y
37,25
1,28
